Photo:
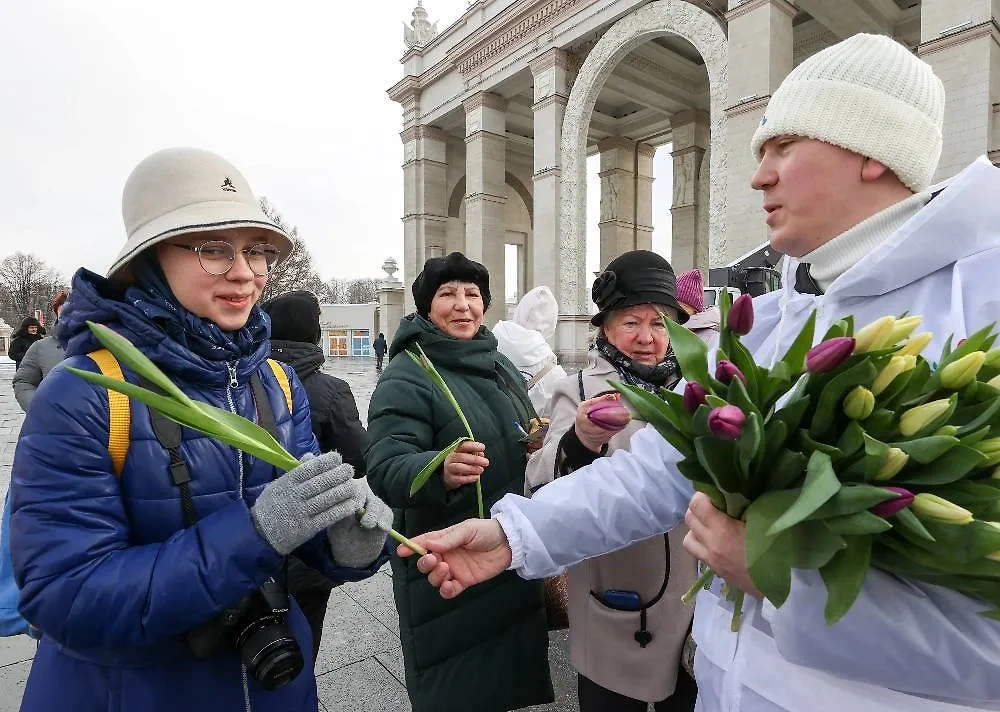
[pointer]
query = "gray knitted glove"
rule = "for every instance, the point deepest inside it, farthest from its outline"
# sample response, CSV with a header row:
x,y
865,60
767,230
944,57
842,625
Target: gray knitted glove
x,y
306,500
355,542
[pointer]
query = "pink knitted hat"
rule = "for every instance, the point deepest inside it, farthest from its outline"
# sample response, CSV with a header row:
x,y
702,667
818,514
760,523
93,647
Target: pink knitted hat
x,y
691,289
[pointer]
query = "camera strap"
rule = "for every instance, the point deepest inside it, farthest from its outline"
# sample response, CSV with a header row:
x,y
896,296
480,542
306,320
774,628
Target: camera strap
x,y
170,434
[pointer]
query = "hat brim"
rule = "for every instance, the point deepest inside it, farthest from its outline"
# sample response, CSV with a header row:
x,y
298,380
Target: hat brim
x,y
201,217
682,316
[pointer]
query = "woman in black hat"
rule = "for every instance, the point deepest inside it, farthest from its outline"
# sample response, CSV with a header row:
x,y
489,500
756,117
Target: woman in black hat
x,y
488,652
627,624
28,333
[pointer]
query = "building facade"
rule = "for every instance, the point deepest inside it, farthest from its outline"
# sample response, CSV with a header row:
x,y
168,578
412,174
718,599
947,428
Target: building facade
x,y
502,108
348,329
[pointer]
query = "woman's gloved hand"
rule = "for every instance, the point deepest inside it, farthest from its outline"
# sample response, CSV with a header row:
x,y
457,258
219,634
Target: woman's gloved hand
x,y
306,500
356,542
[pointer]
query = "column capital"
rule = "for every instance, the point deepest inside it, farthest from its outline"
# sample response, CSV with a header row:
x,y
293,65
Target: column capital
x,y
422,131
554,58
615,142
485,100
738,8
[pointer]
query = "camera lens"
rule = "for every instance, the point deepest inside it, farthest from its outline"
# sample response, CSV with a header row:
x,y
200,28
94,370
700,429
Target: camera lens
x,y
272,656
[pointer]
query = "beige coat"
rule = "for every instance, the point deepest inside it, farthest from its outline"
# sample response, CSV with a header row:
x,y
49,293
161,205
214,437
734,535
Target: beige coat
x,y
602,640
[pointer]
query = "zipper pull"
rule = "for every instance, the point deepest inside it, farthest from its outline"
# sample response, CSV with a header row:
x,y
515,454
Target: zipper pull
x,y
233,383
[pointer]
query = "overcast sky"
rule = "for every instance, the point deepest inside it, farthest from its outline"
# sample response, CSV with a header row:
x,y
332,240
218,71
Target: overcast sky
x,y
292,93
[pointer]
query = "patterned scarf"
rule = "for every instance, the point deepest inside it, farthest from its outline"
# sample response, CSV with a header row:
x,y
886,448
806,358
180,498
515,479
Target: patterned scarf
x,y
665,374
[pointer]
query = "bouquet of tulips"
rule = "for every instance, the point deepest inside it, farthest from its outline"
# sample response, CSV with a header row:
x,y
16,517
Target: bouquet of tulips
x,y
852,453
220,424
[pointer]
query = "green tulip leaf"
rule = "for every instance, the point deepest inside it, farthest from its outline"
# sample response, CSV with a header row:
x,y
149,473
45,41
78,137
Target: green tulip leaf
x,y
876,452
950,467
851,499
975,436
973,417
809,445
795,357
820,485
910,526
828,405
659,414
965,542
786,470
760,515
691,353
718,457
434,465
844,575
775,436
858,524
852,440
880,424
929,449
749,444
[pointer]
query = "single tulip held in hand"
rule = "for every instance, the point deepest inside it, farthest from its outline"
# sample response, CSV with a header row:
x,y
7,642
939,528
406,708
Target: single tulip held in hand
x,y
609,414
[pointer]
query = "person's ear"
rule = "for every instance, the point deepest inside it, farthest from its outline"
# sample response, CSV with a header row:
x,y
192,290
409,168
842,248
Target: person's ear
x,y
872,170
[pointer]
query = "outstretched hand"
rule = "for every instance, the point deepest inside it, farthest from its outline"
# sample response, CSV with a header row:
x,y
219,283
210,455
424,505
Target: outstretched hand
x,y
462,555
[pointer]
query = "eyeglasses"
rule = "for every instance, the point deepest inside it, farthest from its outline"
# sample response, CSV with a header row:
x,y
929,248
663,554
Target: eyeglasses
x,y
217,257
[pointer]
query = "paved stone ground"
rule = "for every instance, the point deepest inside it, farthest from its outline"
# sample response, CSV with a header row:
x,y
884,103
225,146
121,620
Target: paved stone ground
x,y
360,665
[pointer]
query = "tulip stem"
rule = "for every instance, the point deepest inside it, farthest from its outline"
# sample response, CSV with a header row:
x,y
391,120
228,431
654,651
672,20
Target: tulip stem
x,y
737,600
415,548
706,578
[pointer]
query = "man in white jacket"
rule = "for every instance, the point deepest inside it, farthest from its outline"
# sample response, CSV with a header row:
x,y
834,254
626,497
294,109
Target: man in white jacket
x,y
847,149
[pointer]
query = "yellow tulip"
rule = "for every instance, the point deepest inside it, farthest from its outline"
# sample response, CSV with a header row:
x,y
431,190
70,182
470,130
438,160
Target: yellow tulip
x,y
902,329
993,357
961,372
874,336
894,462
918,418
949,430
896,366
915,344
995,556
995,382
859,403
930,506
991,449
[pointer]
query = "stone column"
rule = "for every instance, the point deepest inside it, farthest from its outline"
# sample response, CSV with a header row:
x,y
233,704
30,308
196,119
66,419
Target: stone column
x,y
425,199
626,197
390,301
550,73
486,191
689,237
958,39
760,56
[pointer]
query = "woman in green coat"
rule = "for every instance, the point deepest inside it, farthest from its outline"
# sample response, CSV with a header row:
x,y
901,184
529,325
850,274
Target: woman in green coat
x,y
487,651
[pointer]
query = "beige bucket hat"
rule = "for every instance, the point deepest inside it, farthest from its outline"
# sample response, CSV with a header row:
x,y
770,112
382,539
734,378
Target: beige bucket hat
x,y
183,190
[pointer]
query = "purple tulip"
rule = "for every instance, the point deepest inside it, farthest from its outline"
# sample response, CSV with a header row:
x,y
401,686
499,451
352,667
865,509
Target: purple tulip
x,y
726,422
610,415
891,506
726,371
694,396
829,354
740,319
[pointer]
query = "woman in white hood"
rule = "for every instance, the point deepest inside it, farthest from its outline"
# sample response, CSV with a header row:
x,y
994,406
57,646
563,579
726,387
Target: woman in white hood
x,y
525,341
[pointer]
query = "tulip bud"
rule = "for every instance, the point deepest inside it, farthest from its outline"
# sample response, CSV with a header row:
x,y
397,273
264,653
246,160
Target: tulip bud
x,y
991,449
609,414
902,329
918,418
859,403
896,366
930,506
995,556
694,396
961,372
740,318
726,371
891,506
893,463
949,430
726,422
995,382
827,355
874,336
993,357
915,344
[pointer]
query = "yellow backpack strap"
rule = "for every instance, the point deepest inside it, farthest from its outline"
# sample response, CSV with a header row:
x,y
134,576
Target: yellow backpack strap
x,y
282,377
120,414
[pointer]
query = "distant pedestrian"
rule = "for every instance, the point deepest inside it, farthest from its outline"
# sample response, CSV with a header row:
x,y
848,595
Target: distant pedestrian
x,y
380,347
22,339
691,296
40,358
295,335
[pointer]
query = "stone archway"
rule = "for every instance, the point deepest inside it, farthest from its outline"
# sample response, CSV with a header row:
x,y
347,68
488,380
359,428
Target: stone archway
x,y
662,17
458,196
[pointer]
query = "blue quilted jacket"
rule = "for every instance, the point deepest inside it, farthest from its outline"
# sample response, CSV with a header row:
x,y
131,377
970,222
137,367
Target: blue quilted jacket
x,y
106,567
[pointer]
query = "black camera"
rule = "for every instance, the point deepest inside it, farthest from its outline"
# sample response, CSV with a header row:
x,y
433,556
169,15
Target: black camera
x,y
257,626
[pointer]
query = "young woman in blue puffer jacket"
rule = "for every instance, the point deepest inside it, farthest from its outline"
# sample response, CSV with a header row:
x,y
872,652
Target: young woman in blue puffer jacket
x,y
124,581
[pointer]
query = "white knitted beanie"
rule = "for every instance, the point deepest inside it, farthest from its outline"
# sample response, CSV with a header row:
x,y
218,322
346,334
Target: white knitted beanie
x,y
870,95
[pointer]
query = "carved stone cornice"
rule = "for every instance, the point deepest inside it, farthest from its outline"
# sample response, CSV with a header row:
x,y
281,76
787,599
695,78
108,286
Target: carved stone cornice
x,y
751,5
405,89
485,100
509,30
421,132
748,105
952,39
554,58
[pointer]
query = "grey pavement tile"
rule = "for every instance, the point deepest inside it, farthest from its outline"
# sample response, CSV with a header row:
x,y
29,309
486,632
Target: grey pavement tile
x,y
392,660
12,679
350,634
374,594
365,686
16,649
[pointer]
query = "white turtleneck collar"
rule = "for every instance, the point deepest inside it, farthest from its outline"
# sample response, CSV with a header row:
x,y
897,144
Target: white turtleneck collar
x,y
832,259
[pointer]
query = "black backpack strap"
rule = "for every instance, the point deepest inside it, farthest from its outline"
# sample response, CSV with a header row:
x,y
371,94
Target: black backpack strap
x,y
579,378
265,413
169,435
